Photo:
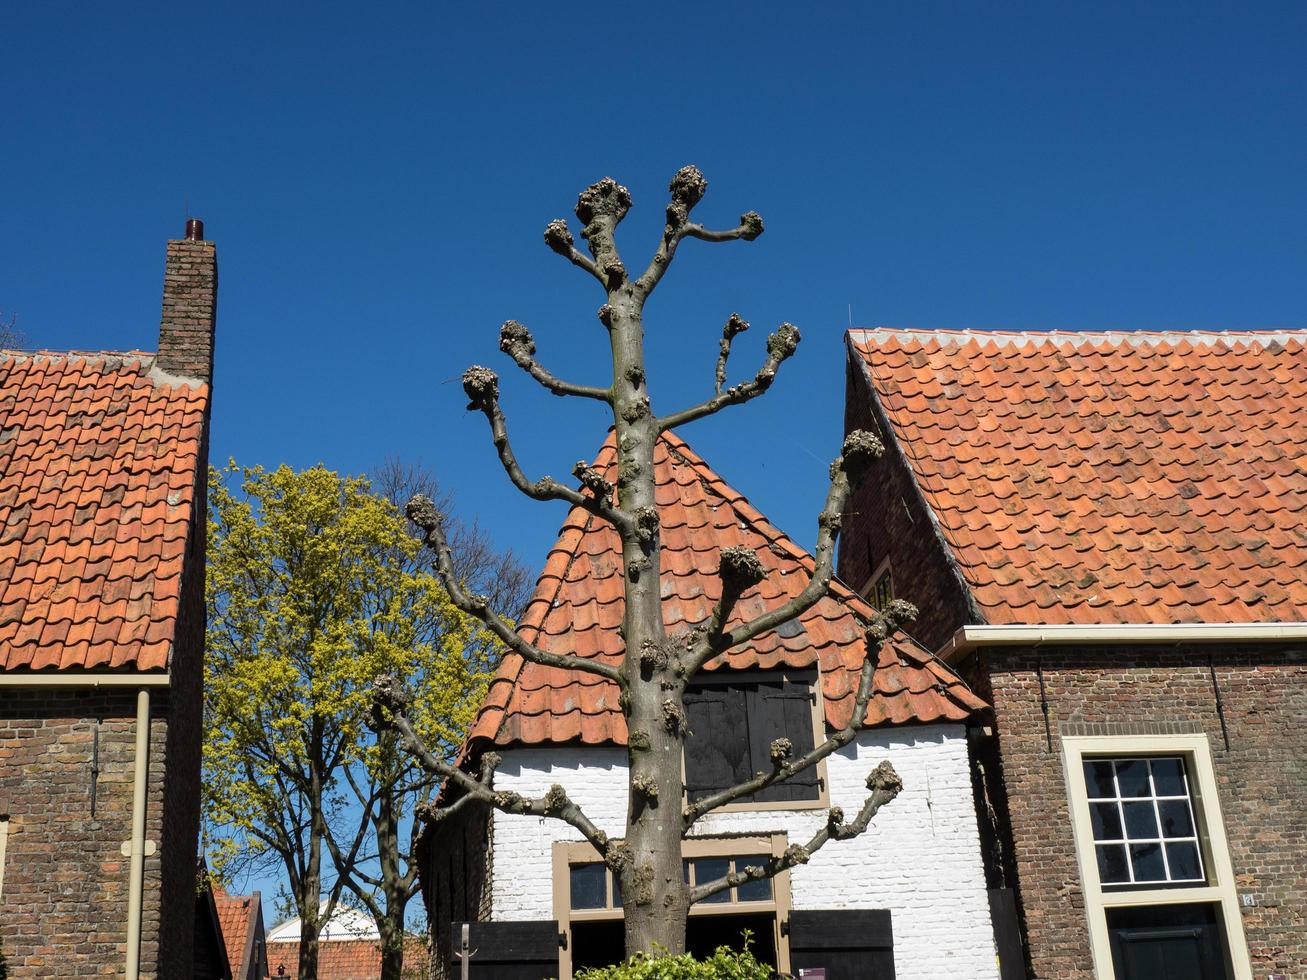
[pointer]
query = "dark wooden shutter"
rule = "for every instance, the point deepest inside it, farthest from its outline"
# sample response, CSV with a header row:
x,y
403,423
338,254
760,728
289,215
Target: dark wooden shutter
x,y
849,944
717,748
781,709
508,950
1007,934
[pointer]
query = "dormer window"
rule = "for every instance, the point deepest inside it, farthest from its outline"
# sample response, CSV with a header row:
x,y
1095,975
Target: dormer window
x,y
734,718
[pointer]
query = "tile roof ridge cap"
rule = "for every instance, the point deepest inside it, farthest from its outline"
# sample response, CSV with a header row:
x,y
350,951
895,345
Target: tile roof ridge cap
x,y
1134,337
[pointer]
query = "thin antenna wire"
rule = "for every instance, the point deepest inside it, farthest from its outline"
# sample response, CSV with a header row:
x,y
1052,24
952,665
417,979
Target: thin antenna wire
x,y
850,316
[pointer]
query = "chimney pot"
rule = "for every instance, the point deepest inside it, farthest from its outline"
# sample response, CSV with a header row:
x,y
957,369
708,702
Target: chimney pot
x,y
194,230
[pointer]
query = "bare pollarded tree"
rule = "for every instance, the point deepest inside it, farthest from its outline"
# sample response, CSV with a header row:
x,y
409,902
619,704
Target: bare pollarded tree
x,y
653,674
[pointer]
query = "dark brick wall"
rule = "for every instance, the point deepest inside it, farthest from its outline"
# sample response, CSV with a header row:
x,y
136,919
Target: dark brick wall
x,y
1262,778
886,516
456,862
190,288
181,781
63,912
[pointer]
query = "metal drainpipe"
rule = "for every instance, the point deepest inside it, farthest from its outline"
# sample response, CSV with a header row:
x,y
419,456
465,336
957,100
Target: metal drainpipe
x,y
136,886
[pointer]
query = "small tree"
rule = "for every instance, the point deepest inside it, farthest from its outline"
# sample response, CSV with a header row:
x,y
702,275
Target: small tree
x,y
314,587
653,674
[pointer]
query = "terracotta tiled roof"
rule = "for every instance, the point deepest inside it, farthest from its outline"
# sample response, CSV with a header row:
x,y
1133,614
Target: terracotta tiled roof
x,y
1109,478
236,915
577,608
98,469
345,959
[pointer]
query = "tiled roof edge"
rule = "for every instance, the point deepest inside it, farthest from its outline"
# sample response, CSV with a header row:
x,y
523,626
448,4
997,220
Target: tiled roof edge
x,y
1082,338
896,446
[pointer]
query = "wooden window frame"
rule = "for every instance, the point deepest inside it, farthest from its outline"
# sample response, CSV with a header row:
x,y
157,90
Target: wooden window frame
x,y
568,853
1219,888
806,675
882,569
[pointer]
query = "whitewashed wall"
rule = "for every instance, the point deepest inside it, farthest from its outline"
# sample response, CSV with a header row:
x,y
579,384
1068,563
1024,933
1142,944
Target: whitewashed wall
x,y
920,858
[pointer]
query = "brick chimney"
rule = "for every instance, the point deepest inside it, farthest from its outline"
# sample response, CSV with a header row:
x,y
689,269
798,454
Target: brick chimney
x,y
190,306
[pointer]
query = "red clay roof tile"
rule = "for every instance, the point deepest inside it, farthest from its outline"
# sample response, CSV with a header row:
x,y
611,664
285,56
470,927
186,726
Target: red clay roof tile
x,y
99,465
1108,478
577,609
236,916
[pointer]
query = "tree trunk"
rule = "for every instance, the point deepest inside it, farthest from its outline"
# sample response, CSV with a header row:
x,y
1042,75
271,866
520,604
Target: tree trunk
x,y
309,926
653,887
394,886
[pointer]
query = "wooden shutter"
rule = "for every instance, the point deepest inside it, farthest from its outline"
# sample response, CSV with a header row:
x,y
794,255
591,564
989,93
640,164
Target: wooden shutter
x,y
848,944
782,709
717,748
508,950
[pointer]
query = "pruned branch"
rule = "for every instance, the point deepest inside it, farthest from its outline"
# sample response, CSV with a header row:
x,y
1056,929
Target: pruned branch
x,y
559,238
687,189
884,784
881,628
555,803
781,345
482,388
735,324
516,341
422,512
861,449
601,208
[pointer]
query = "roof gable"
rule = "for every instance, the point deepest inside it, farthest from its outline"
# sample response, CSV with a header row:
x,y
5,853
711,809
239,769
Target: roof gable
x,y
1108,477
99,467
578,602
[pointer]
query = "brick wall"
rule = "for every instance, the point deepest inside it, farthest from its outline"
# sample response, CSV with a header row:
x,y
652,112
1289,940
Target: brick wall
x,y
456,861
1262,779
63,912
190,286
181,781
886,517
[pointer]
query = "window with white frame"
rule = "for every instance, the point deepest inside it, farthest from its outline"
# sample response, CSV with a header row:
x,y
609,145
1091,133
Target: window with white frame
x,y
1142,817
1153,858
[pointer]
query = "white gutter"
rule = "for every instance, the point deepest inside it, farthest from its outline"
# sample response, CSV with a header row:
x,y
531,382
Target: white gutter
x,y
37,678
1026,634
136,882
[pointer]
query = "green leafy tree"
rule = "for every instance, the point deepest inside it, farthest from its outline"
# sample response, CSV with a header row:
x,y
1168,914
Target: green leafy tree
x,y
315,587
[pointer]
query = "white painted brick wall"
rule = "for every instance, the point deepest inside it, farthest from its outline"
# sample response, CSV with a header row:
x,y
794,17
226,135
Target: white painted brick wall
x,y
920,858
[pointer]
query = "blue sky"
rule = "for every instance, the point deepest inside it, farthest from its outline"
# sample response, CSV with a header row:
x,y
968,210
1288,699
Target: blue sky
x,y
377,178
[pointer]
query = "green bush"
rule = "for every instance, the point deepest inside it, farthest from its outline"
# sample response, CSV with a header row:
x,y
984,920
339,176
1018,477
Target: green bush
x,y
725,964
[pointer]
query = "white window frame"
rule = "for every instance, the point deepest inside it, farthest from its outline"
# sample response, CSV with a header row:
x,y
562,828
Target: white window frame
x,y
1219,889
4,838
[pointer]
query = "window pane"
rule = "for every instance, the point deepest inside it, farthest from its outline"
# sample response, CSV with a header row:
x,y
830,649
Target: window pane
x,y
1147,860
1140,821
1112,868
588,881
1168,777
1176,821
685,869
1132,776
709,870
1183,858
1106,821
753,891
617,892
1098,779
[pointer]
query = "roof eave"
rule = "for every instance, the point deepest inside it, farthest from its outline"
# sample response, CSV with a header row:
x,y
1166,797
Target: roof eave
x,y
86,678
968,638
